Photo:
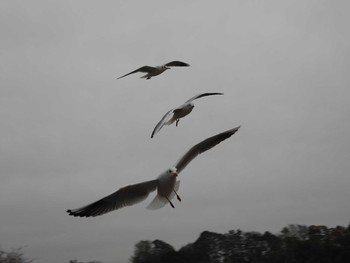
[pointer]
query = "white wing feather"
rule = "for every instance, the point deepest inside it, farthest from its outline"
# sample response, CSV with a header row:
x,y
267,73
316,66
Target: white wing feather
x,y
202,147
203,95
126,196
162,122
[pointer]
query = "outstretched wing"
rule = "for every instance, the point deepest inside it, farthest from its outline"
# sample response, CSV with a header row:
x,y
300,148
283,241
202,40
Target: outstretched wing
x,y
203,95
202,147
177,64
145,69
163,121
126,196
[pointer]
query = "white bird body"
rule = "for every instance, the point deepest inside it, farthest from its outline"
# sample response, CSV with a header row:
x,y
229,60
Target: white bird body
x,y
166,184
155,71
180,112
177,113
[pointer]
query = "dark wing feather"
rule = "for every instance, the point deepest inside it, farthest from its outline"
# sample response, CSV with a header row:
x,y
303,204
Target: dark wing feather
x,y
203,95
126,196
202,147
177,64
145,69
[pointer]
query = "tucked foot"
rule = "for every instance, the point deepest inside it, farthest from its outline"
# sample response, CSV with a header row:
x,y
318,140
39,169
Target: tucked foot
x,y
177,122
170,203
177,196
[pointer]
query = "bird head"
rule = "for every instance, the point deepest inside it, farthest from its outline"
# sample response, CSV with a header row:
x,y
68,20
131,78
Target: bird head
x,y
172,170
190,106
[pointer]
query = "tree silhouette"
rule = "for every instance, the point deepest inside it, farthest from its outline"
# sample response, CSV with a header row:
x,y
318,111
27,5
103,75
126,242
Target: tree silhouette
x,y
156,251
294,244
15,256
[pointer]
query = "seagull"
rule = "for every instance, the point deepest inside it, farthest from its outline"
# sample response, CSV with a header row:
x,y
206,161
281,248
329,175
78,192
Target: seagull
x,y
179,112
154,71
166,184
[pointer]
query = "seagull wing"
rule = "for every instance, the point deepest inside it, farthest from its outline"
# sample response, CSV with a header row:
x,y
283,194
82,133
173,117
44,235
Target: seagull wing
x,y
145,69
126,196
202,147
203,95
163,121
177,64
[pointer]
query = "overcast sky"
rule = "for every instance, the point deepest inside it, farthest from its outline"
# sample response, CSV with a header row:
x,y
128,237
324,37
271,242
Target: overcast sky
x,y
70,133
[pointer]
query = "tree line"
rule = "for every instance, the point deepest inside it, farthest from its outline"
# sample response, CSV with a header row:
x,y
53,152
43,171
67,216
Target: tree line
x,y
294,244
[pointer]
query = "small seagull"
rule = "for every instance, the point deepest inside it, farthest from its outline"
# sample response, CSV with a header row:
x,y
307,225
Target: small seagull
x,y
179,112
166,184
154,71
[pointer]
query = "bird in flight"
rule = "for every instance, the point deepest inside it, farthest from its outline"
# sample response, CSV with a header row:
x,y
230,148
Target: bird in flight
x,y
154,71
166,184
179,112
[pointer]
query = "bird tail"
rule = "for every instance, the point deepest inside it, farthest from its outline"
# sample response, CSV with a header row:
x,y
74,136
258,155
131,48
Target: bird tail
x,y
160,201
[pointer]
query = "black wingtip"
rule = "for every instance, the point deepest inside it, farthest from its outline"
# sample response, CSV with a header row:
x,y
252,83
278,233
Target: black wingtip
x,y
177,63
216,93
237,128
232,131
71,213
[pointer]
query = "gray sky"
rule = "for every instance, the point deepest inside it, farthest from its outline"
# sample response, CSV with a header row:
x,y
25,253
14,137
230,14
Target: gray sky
x,y
71,133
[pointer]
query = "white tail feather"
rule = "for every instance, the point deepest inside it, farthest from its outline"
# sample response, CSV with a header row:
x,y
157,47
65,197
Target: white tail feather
x,y
160,201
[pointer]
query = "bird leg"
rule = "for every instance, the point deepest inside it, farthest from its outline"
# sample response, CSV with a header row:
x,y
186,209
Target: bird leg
x,y
170,202
177,196
177,122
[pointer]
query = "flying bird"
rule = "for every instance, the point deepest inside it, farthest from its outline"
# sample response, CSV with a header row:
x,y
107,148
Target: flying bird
x,y
154,71
166,184
179,112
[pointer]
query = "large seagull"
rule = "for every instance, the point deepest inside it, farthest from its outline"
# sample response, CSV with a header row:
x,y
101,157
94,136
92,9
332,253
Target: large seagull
x,y
166,184
154,71
179,112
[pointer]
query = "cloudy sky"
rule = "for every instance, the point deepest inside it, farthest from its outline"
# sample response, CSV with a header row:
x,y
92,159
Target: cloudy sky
x,y
71,133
